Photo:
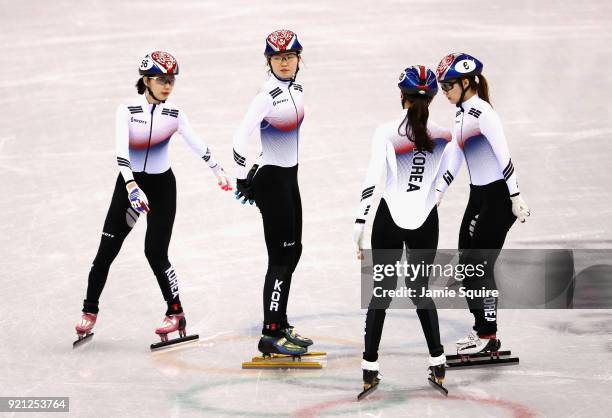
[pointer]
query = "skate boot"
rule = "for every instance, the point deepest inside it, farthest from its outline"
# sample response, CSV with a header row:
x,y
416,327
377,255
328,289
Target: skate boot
x,y
173,323
279,345
371,378
294,338
84,328
473,344
437,371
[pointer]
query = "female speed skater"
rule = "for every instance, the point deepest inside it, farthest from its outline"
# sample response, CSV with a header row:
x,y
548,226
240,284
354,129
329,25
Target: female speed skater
x,y
494,202
146,186
408,155
277,110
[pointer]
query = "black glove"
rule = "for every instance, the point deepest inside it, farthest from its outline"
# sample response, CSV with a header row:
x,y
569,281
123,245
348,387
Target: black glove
x,y
244,187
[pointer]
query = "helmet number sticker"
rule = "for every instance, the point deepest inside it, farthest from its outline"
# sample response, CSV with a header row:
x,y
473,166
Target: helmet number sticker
x,y
465,66
146,64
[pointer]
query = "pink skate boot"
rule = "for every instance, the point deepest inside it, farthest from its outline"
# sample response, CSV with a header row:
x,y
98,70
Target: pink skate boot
x,y
84,328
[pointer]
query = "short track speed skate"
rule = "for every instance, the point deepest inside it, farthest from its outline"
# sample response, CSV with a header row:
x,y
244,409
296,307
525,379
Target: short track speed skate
x,y
437,371
371,378
84,329
475,351
173,323
280,353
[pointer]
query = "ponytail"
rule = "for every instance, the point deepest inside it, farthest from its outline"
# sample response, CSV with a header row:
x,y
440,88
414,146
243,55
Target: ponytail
x,y
415,124
481,87
140,86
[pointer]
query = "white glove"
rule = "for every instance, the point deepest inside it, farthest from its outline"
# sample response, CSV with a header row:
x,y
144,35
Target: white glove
x,y
520,208
358,233
439,196
137,197
222,179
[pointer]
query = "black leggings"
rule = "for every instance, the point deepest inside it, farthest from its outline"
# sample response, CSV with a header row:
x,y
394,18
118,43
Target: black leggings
x,y
487,219
278,198
386,236
161,193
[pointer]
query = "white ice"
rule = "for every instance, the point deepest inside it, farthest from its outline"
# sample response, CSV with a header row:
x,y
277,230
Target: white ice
x,y
67,64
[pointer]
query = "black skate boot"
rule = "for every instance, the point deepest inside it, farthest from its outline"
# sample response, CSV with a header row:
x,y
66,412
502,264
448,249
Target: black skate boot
x,y
371,378
437,371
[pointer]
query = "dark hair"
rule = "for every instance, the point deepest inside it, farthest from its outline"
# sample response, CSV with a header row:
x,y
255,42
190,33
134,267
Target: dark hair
x,y
482,87
140,86
415,123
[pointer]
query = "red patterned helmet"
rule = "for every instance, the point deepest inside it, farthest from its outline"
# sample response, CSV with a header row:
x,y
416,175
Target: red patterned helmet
x,y
458,65
280,41
158,62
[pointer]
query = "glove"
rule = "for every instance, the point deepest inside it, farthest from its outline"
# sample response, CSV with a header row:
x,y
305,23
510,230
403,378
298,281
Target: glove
x,y
137,198
519,208
439,196
222,179
358,233
244,187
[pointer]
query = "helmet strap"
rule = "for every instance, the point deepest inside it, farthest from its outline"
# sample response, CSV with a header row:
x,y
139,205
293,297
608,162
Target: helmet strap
x,y
462,97
291,80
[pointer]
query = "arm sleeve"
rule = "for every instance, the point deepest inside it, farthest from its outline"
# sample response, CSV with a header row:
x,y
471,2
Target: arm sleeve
x,y
376,168
122,143
450,164
258,110
193,140
491,128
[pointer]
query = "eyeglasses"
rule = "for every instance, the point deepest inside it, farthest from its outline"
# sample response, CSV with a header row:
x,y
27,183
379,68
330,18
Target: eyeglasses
x,y
282,58
162,80
447,85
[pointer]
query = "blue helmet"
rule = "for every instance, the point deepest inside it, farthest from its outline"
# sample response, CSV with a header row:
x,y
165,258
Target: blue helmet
x,y
158,62
280,41
418,81
458,65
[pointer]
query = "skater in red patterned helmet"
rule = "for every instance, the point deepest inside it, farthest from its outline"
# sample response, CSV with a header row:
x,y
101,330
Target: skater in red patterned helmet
x,y
146,185
277,112
495,201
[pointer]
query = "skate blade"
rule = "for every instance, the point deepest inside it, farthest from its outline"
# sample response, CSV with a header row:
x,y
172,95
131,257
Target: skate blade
x,y
438,386
267,364
364,394
174,342
486,362
82,341
285,357
492,354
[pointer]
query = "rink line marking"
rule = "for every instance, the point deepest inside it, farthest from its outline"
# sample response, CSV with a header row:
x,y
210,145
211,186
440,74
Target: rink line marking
x,y
189,399
518,410
381,400
212,337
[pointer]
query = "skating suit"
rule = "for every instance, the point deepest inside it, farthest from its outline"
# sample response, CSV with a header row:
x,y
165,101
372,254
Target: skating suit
x,y
143,133
278,111
478,137
407,216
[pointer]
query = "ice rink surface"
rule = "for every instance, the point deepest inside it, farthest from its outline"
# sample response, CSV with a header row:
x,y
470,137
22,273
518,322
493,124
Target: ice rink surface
x,y
68,64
